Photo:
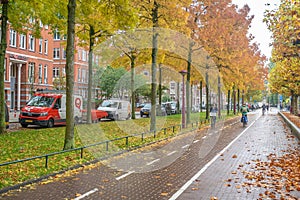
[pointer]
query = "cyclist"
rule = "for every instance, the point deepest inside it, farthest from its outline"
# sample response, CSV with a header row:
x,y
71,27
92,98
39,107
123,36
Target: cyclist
x,y
244,110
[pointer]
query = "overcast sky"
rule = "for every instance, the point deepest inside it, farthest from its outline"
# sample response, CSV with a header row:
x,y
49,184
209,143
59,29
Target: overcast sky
x,y
258,28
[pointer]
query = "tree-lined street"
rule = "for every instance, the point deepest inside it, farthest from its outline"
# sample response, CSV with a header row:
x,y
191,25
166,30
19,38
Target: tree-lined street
x,y
192,61
227,163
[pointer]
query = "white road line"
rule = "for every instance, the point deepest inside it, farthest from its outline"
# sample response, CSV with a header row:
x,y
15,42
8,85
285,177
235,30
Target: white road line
x,y
185,146
150,163
171,153
86,194
124,175
196,141
189,182
203,137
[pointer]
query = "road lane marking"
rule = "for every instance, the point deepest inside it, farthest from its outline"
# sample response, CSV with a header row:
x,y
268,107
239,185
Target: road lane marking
x,y
124,175
196,141
150,163
189,182
185,146
86,194
171,153
203,137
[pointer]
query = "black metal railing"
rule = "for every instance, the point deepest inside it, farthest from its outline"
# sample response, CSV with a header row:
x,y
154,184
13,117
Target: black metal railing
x,y
173,128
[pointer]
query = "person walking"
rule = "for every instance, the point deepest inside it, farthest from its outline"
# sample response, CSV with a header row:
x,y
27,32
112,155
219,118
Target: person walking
x,y
213,115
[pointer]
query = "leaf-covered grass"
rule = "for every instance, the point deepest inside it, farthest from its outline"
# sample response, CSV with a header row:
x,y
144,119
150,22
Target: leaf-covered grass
x,y
32,141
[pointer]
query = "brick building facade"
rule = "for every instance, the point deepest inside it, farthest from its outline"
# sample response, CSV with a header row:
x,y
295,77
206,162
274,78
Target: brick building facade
x,y
39,63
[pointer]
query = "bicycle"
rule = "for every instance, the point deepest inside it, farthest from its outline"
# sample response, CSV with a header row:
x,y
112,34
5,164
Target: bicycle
x,y
244,120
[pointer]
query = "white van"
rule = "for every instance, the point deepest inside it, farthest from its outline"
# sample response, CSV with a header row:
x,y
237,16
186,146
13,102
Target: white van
x,y
116,109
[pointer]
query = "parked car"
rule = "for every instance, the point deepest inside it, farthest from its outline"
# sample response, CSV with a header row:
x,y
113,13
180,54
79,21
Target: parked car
x,y
174,107
146,110
168,107
116,109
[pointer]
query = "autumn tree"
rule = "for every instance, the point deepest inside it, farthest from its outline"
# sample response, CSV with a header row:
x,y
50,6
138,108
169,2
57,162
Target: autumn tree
x,y
2,58
69,134
96,21
156,14
284,24
223,32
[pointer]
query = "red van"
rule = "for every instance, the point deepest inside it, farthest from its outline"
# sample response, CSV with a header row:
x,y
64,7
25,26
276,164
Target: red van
x,y
49,109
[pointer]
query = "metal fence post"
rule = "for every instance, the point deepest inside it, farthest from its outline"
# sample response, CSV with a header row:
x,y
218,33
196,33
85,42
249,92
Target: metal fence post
x,y
46,164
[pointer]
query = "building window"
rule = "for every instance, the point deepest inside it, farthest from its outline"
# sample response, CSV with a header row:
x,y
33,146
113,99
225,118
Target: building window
x,y
5,76
13,38
40,73
64,53
46,47
56,35
79,75
31,73
56,53
83,55
45,74
79,54
63,72
83,76
55,72
22,41
46,27
172,87
41,46
31,43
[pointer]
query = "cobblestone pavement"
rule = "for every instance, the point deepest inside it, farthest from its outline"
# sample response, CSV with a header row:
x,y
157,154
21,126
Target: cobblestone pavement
x,y
187,167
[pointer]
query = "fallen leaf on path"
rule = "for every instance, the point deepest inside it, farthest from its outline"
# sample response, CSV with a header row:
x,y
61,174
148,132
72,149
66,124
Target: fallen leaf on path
x,y
164,194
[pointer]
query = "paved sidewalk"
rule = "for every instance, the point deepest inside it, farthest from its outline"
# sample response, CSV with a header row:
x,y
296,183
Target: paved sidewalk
x,y
240,172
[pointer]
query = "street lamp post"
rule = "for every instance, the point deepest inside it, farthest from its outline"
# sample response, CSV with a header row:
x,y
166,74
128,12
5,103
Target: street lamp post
x,y
183,73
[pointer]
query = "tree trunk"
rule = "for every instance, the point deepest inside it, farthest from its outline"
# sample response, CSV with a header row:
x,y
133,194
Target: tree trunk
x,y
188,85
238,100
153,66
69,135
219,96
2,58
234,100
132,87
201,97
207,96
228,100
90,80
159,86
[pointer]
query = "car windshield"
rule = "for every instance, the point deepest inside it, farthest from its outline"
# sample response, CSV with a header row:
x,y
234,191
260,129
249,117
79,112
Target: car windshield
x,y
173,105
41,101
109,104
147,106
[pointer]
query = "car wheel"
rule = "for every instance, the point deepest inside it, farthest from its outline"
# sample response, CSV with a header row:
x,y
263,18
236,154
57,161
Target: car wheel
x,y
50,123
24,125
